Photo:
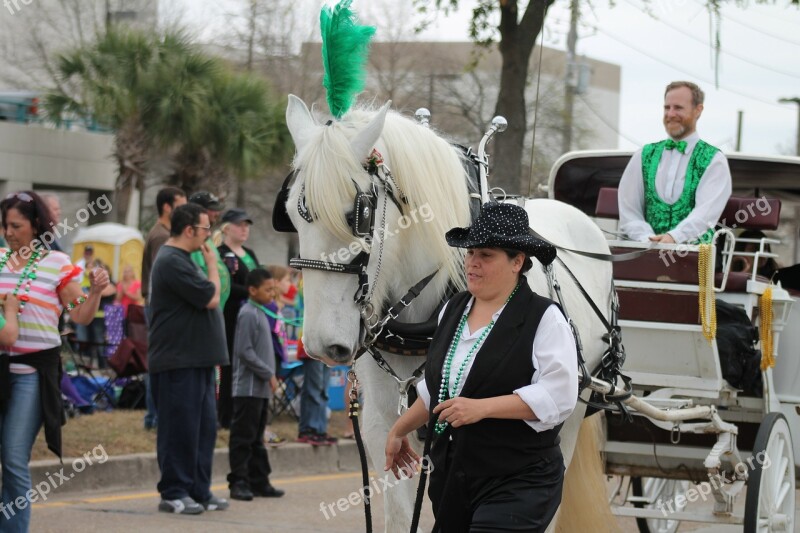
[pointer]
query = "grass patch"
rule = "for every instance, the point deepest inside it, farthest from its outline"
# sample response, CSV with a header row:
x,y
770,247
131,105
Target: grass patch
x,y
122,432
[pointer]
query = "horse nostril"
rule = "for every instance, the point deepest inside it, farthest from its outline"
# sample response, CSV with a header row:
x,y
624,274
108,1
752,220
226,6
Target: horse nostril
x,y
337,352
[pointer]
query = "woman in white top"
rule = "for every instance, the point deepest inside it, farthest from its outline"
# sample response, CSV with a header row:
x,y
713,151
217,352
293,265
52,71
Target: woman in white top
x,y
500,379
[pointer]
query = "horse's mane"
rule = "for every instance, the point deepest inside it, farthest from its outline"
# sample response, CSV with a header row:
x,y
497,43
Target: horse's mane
x,y
427,169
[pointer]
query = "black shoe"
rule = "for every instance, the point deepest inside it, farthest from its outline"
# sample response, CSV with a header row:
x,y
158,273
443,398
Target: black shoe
x,y
240,491
267,491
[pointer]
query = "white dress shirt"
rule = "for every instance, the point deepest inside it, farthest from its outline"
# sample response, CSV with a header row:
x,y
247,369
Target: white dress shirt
x,y
712,193
553,391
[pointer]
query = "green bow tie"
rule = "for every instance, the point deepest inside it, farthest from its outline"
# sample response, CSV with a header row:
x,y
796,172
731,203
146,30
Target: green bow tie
x,y
680,145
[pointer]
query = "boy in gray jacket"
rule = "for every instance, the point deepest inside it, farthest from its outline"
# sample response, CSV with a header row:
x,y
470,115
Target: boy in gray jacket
x,y
254,381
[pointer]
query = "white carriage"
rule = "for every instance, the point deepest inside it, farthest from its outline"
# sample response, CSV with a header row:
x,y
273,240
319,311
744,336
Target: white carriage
x,y
703,430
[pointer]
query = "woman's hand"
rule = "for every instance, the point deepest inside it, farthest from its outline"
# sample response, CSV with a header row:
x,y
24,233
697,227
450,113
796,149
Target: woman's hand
x,y
98,280
400,456
10,305
460,411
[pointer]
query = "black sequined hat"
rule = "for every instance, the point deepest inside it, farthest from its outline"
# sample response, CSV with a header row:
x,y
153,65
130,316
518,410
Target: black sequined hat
x,y
502,226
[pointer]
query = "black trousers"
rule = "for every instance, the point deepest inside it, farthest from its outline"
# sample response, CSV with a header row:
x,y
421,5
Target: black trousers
x,y
524,501
186,433
225,401
247,453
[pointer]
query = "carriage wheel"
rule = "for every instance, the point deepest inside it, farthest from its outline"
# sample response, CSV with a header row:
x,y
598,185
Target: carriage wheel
x,y
658,489
771,485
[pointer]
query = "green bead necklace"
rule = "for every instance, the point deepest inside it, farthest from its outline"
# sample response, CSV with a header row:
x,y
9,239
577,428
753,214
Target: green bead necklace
x,y
27,275
444,394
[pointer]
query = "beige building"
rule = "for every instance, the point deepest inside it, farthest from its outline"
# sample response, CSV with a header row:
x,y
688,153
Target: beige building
x,y
75,163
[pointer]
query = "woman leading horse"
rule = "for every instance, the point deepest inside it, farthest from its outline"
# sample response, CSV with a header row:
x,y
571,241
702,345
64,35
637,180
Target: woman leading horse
x,y
500,380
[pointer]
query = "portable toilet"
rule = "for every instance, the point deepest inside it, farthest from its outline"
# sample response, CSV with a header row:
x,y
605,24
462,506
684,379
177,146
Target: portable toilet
x,y
114,244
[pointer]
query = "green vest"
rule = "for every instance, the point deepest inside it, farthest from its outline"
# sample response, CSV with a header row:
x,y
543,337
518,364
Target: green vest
x,y
224,275
662,216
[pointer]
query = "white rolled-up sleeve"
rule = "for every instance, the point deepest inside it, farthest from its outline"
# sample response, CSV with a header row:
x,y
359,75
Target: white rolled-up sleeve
x,y
422,392
630,199
553,391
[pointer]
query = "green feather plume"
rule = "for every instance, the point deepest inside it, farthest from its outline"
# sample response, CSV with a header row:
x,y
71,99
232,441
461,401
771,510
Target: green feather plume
x,y
345,47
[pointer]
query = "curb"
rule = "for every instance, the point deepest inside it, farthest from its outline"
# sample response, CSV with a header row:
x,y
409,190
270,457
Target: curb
x,y
140,471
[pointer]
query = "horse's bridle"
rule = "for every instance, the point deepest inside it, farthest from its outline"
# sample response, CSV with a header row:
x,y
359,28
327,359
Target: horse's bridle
x,y
361,221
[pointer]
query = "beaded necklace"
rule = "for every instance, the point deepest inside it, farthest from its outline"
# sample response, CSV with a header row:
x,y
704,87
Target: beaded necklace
x,y
444,394
26,277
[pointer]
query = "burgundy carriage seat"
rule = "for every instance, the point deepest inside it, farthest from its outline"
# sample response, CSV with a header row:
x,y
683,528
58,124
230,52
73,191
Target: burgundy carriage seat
x,y
741,212
657,265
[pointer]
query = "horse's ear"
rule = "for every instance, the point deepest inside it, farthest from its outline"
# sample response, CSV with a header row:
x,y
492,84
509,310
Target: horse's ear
x,y
364,141
300,122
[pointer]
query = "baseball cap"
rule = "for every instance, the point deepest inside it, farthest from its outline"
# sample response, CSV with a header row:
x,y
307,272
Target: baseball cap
x,y
236,215
207,200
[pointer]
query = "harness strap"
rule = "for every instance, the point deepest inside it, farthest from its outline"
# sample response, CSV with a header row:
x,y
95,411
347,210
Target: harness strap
x,y
613,258
586,296
611,363
394,311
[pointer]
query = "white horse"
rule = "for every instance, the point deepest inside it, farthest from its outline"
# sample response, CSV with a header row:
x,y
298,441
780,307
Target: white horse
x,y
428,173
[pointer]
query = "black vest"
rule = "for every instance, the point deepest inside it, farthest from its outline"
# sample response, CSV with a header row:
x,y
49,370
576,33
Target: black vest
x,y
491,447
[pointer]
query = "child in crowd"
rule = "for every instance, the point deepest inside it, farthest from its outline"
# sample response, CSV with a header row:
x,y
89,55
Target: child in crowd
x,y
254,381
280,276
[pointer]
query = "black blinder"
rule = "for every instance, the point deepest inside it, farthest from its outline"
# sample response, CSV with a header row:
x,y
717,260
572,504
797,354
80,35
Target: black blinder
x,y
363,214
280,216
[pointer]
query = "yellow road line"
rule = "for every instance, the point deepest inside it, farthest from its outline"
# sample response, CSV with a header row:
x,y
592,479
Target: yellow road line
x,y
148,495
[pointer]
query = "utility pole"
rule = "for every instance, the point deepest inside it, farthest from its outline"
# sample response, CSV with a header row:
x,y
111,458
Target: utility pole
x,y
795,100
739,131
571,79
108,15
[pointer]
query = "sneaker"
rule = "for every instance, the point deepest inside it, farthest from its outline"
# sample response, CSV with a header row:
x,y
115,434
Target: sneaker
x,y
267,491
307,438
184,505
240,491
327,439
215,504
272,439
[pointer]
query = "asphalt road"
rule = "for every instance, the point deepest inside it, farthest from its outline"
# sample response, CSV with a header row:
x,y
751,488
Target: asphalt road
x,y
298,511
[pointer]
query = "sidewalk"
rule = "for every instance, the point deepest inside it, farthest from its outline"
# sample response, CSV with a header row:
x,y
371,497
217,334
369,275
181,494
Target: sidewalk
x,y
135,471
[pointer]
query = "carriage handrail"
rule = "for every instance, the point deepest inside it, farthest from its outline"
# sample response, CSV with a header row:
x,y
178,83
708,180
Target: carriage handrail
x,y
499,125
727,258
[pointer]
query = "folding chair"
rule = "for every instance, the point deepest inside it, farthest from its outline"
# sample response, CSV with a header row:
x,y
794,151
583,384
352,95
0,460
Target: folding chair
x,y
129,360
88,380
290,382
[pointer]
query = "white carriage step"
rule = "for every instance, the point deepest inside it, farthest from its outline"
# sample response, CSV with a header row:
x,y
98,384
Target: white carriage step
x,y
683,515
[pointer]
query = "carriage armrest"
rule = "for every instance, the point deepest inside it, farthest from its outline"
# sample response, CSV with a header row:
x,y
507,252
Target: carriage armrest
x,y
607,203
740,211
751,213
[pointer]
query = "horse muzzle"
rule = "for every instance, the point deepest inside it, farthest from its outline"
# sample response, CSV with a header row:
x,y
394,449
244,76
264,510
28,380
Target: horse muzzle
x,y
333,355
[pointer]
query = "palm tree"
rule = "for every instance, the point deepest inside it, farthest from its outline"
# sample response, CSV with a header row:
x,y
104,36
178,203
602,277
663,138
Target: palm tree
x,y
244,132
160,93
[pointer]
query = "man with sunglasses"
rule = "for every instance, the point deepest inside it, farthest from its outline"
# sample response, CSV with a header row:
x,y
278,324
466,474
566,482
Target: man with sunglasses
x,y
186,342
